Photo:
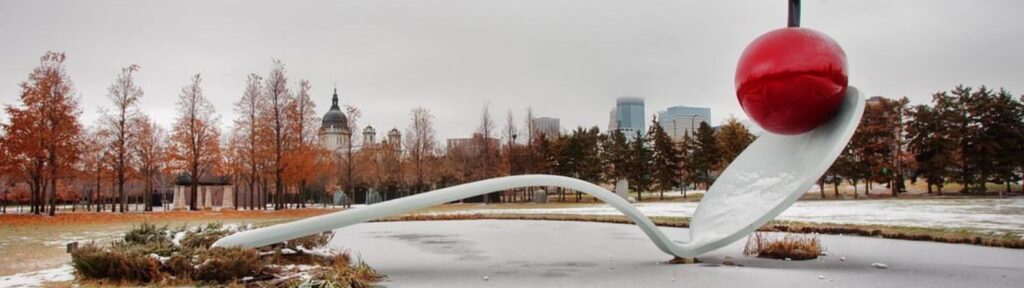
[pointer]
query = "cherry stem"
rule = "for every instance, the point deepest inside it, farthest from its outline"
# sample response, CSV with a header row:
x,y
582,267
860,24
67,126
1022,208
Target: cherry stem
x,y
794,13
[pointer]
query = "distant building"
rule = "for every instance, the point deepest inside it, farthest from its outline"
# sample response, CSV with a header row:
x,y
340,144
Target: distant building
x,y
628,117
875,100
334,130
613,121
395,139
547,126
472,144
369,136
680,120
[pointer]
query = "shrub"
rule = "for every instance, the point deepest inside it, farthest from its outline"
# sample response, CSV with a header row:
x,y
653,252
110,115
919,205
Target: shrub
x,y
118,264
181,265
223,265
790,246
204,238
310,242
343,274
147,234
148,256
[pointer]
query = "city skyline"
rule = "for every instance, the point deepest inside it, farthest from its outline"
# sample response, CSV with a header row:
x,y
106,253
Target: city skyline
x,y
567,59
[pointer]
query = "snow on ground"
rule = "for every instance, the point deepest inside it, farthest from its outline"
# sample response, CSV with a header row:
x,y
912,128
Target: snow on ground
x,y
989,215
500,253
38,278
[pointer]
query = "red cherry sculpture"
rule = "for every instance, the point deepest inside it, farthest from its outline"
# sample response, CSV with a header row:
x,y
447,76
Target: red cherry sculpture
x,y
791,80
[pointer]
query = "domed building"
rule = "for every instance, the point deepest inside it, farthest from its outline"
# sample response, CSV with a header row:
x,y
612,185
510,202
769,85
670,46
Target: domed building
x,y
334,132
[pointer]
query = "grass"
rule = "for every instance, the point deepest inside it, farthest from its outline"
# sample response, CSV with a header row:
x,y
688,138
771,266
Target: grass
x,y
147,256
32,243
789,246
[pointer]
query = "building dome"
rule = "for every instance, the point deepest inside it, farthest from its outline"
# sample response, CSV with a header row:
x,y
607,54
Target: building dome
x,y
394,132
369,129
335,118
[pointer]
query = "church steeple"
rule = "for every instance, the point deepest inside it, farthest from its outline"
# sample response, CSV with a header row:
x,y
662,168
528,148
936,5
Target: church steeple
x,y
334,100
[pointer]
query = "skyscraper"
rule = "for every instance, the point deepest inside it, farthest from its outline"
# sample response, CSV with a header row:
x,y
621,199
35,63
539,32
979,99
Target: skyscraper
x,y
680,120
547,126
628,117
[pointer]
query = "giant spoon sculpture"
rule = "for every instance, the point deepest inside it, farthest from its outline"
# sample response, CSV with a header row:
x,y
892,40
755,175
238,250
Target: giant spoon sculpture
x,y
792,81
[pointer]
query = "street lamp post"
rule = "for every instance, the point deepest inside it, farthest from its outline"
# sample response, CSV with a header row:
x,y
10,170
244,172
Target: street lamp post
x,y
512,161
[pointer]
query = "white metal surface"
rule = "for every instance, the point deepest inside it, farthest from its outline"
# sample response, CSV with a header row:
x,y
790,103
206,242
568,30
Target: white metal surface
x,y
771,174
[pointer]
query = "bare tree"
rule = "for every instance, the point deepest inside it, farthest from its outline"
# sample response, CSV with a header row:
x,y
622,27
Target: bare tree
x,y
303,119
149,149
420,142
485,151
125,94
195,137
353,114
248,109
277,99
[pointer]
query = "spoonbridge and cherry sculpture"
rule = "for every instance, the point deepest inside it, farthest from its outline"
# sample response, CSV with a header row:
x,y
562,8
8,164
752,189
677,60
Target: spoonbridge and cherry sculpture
x,y
792,81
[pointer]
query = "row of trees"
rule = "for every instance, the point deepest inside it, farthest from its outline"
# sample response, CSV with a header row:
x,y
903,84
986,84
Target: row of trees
x,y
966,135
46,148
272,152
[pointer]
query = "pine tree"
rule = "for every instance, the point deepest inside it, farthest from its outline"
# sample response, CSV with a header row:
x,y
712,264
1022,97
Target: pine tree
x,y
687,162
931,151
615,156
665,159
1000,138
639,165
961,130
706,154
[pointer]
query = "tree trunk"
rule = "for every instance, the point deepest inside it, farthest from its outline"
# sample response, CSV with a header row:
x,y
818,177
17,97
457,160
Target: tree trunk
x,y
120,190
894,188
821,187
53,187
147,195
278,189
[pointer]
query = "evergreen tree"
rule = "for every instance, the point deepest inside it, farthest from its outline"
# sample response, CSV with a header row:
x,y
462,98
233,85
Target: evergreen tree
x,y
999,138
687,163
960,130
665,159
639,165
706,155
931,151
615,155
983,147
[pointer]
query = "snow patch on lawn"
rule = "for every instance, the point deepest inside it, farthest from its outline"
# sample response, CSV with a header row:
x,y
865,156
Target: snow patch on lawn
x,y
38,278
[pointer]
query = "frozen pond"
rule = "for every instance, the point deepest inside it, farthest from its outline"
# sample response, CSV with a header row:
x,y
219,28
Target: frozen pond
x,y
991,215
502,253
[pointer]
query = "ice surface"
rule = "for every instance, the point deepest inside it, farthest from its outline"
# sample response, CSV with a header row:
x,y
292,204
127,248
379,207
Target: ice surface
x,y
576,254
987,215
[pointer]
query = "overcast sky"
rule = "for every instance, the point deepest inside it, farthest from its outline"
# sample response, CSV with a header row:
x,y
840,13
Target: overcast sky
x,y
566,59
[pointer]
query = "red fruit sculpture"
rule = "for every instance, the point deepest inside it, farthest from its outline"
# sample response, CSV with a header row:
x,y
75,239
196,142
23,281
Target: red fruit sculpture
x,y
791,80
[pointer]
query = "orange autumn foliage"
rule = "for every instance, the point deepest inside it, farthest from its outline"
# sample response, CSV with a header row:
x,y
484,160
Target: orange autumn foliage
x,y
43,135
